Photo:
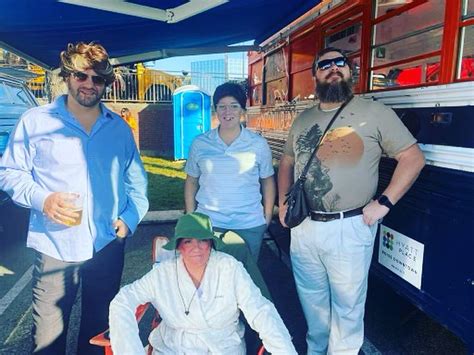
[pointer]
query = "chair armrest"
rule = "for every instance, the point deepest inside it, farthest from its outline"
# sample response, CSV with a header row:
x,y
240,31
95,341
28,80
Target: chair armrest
x,y
140,312
261,350
103,339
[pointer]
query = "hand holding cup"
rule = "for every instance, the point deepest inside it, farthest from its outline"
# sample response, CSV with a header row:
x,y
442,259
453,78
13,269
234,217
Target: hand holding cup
x,y
64,208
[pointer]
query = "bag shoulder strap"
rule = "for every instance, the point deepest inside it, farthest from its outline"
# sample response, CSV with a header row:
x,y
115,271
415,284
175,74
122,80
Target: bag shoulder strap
x,y
313,154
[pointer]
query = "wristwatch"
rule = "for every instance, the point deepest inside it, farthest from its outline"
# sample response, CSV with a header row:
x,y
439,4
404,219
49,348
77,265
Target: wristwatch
x,y
383,200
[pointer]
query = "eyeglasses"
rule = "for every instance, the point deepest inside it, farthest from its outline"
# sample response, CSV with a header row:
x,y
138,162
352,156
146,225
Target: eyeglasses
x,y
327,63
96,79
231,107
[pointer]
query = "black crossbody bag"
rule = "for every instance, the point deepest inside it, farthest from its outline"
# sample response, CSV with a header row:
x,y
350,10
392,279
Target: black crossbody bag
x,y
298,208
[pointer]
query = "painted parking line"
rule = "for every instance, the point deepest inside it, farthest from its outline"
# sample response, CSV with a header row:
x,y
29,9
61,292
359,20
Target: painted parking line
x,y
15,290
19,325
368,348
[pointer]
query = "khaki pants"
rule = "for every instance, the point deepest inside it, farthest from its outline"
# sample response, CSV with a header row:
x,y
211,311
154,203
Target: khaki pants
x,y
55,287
331,263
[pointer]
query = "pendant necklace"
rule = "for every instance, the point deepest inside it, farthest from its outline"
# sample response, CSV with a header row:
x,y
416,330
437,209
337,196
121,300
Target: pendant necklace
x,y
186,309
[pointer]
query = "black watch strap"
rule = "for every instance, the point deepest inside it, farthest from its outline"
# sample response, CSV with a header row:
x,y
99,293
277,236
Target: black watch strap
x,y
383,200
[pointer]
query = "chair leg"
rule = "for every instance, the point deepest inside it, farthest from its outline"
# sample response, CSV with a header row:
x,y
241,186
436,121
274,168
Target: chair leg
x,y
261,351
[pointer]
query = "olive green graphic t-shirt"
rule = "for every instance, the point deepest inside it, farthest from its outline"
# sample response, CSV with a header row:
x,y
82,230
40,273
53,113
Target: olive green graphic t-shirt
x,y
344,174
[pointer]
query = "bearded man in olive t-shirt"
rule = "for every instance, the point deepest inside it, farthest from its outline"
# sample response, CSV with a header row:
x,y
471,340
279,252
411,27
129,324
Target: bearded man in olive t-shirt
x,y
331,250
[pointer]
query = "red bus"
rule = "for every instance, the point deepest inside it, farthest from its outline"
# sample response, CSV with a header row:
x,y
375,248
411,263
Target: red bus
x,y
416,56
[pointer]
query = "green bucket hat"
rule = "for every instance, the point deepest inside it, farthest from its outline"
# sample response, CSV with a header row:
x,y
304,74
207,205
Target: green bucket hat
x,y
193,225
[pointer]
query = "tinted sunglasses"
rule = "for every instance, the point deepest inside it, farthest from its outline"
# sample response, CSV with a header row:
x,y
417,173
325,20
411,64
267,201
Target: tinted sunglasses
x,y
327,63
96,79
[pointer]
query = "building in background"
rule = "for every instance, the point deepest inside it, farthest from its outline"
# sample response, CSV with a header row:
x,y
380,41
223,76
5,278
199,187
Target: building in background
x,y
208,74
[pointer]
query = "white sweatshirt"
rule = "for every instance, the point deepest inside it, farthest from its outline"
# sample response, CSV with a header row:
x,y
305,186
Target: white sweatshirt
x,y
212,325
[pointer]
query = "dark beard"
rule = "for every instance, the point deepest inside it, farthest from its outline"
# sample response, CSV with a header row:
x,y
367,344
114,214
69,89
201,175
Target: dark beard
x,y
334,92
89,101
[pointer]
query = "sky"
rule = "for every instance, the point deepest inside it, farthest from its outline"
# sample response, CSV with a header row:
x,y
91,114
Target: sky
x,y
178,64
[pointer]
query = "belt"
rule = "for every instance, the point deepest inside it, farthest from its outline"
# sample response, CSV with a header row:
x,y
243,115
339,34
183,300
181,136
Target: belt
x,y
326,217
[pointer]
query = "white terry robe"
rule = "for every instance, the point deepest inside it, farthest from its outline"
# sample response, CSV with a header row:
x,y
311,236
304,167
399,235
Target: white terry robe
x,y
212,325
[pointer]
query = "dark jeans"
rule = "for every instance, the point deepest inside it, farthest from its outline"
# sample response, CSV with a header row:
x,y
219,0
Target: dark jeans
x,y
55,286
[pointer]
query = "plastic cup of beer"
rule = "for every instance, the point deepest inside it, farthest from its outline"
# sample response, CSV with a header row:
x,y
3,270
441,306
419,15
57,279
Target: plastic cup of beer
x,y
75,200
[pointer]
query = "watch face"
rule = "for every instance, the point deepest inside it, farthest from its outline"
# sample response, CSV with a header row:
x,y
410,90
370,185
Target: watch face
x,y
383,200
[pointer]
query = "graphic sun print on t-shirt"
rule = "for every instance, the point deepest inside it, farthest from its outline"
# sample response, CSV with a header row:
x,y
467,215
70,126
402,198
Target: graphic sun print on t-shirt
x,y
341,148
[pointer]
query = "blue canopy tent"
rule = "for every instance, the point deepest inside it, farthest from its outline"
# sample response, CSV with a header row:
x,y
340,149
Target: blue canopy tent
x,y
141,30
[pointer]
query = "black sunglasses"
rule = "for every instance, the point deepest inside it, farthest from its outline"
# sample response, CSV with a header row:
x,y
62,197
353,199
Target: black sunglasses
x,y
327,63
96,79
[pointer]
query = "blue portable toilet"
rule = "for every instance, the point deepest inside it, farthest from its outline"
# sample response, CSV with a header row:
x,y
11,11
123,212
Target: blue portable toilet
x,y
192,116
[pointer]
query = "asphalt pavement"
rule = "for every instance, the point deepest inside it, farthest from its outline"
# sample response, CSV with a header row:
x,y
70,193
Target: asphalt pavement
x,y
393,326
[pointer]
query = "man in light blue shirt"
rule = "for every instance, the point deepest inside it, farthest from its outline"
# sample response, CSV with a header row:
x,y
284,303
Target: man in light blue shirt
x,y
75,145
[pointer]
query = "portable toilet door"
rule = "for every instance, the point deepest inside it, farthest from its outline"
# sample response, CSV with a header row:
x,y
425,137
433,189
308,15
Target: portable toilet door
x,y
192,116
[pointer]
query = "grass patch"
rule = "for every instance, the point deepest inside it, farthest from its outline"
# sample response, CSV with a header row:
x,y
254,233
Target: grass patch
x,y
165,183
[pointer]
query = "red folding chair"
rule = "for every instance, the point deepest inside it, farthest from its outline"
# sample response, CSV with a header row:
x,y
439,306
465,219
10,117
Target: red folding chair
x,y
158,254
103,338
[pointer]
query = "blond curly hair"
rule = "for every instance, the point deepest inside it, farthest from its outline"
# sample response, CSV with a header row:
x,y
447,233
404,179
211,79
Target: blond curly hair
x,y
81,56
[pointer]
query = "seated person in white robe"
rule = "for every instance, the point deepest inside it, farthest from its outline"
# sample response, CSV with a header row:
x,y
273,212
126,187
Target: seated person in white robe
x,y
199,295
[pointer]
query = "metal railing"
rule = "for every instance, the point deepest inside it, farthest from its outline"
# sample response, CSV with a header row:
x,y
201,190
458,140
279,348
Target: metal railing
x,y
148,87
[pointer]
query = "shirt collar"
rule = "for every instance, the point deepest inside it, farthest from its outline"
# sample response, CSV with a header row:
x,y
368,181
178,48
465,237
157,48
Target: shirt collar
x,y
106,112
244,135
214,134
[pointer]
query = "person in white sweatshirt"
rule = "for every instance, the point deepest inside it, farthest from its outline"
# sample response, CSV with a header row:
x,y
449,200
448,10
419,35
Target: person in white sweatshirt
x,y
199,295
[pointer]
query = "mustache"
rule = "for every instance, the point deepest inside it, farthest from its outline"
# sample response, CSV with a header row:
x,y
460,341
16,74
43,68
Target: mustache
x,y
88,90
339,74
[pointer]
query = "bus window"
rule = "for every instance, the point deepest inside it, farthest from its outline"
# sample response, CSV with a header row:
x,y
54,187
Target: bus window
x,y
348,39
255,76
256,95
468,8
302,51
346,34
383,7
416,19
408,47
413,73
355,73
401,40
276,82
277,91
466,67
302,86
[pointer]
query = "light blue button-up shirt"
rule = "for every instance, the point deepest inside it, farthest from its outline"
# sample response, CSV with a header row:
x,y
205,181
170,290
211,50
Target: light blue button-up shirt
x,y
49,151
229,177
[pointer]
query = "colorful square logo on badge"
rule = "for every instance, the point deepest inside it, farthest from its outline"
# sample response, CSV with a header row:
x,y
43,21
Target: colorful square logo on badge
x,y
388,240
